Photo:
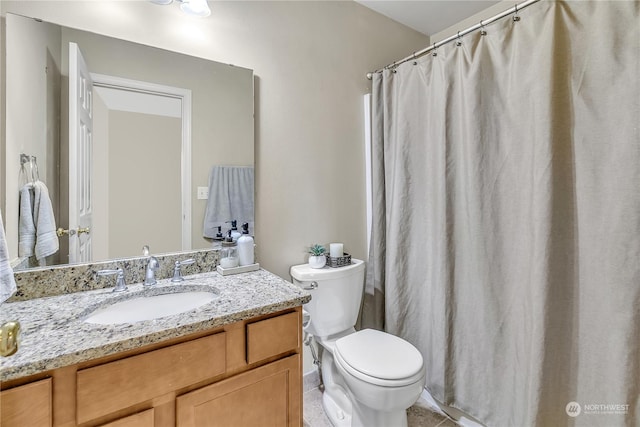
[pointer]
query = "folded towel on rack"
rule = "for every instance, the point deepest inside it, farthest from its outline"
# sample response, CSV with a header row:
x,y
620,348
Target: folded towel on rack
x,y
230,198
7,281
26,225
46,237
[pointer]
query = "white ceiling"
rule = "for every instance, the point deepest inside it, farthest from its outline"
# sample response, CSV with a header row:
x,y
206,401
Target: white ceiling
x,y
427,16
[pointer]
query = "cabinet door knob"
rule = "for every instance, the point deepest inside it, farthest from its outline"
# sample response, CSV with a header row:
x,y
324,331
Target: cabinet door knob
x,y
9,338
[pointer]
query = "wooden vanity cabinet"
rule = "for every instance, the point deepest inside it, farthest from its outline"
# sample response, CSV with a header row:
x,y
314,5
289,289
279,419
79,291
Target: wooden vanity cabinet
x,y
247,373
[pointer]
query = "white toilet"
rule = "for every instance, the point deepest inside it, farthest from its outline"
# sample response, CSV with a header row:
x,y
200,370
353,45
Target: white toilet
x,y
370,377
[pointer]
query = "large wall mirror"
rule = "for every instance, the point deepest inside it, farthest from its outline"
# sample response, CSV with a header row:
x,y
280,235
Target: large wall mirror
x,y
136,172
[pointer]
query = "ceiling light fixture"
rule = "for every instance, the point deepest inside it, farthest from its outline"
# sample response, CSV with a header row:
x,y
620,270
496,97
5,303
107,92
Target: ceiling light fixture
x,y
190,7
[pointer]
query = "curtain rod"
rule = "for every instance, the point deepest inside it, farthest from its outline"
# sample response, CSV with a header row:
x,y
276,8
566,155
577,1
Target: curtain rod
x,y
456,36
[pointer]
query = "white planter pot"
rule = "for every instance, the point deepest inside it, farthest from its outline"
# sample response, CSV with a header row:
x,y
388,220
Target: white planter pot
x,y
317,261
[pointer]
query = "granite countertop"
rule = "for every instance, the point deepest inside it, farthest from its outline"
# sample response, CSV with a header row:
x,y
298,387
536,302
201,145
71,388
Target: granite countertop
x,y
54,334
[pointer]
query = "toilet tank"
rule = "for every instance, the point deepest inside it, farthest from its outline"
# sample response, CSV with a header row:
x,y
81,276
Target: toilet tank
x,y
336,294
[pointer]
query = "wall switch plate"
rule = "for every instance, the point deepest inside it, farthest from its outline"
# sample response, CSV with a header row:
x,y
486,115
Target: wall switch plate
x,y
203,193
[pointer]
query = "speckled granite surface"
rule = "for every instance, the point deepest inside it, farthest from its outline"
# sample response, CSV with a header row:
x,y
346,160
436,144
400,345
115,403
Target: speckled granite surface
x,y
64,279
54,333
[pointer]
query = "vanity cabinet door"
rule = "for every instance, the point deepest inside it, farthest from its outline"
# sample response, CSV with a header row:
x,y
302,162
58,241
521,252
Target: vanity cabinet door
x,y
268,396
27,405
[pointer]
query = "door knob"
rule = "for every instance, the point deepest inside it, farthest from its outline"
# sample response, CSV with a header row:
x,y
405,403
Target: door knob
x,y
61,232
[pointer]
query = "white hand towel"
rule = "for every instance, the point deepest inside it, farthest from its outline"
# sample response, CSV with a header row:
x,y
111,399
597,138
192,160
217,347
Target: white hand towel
x,y
7,281
46,237
26,226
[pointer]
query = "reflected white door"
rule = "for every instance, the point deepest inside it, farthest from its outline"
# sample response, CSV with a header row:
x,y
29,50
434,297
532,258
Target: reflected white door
x,y
80,154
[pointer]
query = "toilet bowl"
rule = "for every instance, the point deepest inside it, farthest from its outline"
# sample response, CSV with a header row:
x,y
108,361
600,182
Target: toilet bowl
x,y
370,377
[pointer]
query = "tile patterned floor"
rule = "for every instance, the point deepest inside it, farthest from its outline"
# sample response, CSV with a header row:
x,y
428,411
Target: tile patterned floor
x,y
419,415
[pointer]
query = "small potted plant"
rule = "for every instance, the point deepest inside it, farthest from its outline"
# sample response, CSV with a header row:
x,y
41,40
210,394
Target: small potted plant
x,y
317,258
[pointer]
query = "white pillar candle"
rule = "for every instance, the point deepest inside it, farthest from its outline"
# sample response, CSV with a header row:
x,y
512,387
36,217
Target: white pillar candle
x,y
336,250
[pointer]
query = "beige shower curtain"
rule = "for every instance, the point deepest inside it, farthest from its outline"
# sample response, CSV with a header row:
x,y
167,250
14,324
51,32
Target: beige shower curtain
x,y
506,229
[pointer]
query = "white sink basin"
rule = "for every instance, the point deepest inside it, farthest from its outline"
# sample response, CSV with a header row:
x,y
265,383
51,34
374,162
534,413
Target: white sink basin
x,y
150,307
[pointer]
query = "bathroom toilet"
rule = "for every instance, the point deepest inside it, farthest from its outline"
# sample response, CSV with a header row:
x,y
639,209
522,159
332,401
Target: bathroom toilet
x,y
370,377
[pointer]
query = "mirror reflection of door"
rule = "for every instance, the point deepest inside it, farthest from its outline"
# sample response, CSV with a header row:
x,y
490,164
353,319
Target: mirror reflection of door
x,y
80,157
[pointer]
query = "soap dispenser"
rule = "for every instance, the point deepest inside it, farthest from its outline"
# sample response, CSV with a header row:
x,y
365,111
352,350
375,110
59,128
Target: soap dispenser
x,y
234,230
245,247
229,253
217,241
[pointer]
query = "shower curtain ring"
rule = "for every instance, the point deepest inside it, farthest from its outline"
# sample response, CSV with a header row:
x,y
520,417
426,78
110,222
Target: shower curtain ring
x,y
459,42
482,31
435,52
516,18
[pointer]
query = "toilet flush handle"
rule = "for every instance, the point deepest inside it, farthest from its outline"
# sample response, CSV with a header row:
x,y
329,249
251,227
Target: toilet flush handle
x,y
311,286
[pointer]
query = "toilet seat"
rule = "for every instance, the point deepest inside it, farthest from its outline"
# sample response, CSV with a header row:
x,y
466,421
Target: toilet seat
x,y
379,358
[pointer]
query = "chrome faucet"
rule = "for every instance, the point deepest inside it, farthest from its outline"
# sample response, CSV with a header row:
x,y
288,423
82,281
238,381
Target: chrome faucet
x,y
150,274
120,283
177,271
152,265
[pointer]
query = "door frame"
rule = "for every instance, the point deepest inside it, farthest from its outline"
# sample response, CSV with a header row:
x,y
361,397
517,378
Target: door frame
x,y
184,95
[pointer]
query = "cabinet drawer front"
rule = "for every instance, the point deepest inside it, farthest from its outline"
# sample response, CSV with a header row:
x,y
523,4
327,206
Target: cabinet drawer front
x,y
117,385
274,336
27,405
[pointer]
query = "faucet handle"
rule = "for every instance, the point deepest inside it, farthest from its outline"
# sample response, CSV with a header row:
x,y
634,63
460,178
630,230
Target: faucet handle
x,y
177,271
120,283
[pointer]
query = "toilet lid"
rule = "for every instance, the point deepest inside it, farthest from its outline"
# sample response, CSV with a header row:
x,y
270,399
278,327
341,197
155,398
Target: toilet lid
x,y
379,355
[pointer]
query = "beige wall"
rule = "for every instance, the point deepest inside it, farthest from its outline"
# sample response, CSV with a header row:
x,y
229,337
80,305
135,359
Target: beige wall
x,y
150,187
473,20
33,127
310,59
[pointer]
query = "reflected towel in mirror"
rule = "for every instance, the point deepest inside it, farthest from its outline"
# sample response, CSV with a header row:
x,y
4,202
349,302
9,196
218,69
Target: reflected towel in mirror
x,y
37,224
45,221
230,198
26,226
